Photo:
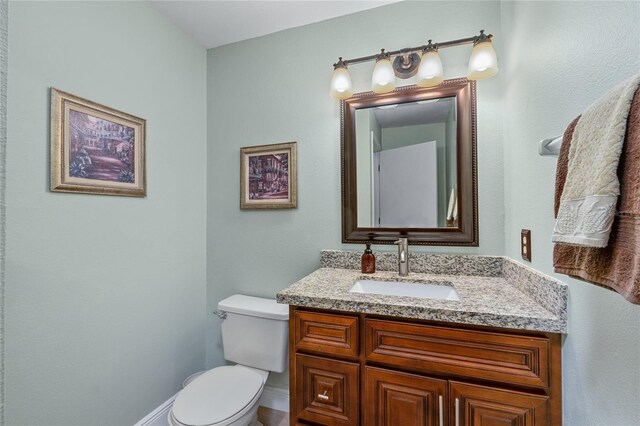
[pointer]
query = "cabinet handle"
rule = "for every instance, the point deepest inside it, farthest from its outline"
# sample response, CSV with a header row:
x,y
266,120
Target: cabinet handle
x,y
323,396
457,412
440,408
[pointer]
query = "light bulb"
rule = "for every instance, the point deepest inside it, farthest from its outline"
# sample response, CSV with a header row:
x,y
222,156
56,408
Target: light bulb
x,y
430,70
341,87
483,62
383,79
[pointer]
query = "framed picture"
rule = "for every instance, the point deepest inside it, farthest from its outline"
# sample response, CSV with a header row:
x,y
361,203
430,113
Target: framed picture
x,y
268,177
95,149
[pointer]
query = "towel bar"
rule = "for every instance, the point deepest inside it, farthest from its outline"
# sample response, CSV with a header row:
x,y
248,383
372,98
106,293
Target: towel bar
x,y
550,146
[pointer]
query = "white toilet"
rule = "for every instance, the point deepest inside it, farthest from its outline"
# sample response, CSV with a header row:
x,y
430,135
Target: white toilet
x,y
255,336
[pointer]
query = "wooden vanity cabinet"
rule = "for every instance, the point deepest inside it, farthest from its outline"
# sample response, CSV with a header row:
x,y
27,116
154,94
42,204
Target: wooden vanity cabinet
x,y
359,369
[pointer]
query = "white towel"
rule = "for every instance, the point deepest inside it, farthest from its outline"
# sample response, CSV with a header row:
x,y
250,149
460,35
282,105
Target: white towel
x,y
590,194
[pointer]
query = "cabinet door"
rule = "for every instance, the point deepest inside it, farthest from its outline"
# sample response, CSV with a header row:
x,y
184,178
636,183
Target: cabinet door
x,y
392,399
327,391
474,405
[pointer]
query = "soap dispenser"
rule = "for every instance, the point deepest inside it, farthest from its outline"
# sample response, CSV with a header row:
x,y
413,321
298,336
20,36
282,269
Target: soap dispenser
x,y
368,261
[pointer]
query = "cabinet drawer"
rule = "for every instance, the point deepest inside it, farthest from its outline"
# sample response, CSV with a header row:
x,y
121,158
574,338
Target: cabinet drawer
x,y
327,391
335,335
515,359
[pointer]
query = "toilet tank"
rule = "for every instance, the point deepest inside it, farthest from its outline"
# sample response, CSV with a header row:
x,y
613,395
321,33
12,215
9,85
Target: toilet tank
x,y
255,332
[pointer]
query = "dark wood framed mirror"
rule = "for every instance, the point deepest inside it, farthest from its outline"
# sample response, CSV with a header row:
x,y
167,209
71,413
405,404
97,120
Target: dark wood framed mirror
x,y
409,166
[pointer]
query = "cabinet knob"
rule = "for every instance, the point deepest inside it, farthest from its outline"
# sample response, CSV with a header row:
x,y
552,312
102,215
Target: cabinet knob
x,y
323,396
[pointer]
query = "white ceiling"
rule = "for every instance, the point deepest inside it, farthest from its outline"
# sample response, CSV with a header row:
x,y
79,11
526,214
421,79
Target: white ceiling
x,y
215,23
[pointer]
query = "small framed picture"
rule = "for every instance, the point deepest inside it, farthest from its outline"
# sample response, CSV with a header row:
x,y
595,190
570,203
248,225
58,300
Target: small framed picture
x,y
268,177
95,149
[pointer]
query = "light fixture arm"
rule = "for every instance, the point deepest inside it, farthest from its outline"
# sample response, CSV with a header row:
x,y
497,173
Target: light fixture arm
x,y
440,45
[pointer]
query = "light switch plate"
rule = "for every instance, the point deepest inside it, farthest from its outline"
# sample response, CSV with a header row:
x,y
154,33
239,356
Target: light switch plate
x,y
525,244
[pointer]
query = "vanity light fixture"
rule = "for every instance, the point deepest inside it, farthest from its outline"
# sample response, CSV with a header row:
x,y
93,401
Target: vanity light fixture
x,y
430,71
383,79
483,63
341,87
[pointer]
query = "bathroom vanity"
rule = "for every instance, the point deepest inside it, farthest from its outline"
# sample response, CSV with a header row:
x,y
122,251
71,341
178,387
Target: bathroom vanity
x,y
493,357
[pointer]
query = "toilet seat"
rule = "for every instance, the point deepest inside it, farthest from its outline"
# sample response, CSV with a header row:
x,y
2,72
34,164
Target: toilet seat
x,y
218,397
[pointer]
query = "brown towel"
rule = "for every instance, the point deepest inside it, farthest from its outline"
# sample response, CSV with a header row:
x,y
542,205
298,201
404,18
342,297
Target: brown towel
x,y
617,266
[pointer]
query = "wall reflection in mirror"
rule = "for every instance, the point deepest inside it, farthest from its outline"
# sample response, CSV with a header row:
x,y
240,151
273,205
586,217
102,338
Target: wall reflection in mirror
x,y
406,164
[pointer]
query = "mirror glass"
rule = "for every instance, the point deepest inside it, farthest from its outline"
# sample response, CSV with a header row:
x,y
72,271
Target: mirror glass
x,y
409,167
406,164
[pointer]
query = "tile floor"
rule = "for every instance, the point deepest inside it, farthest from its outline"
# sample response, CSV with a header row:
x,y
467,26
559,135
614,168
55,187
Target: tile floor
x,y
270,417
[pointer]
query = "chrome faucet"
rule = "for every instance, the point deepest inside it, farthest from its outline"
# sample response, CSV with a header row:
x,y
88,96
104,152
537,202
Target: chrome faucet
x,y
403,256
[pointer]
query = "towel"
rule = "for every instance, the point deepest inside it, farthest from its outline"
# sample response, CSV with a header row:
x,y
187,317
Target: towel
x,y
617,266
591,189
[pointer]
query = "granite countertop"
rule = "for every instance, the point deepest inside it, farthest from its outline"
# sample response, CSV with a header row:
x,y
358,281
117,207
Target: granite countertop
x,y
504,294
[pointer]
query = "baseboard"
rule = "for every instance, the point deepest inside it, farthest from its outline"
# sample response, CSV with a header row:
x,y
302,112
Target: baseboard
x,y
275,398
158,417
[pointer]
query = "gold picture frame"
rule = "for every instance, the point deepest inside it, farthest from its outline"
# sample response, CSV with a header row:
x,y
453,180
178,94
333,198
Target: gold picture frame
x,y
268,177
96,149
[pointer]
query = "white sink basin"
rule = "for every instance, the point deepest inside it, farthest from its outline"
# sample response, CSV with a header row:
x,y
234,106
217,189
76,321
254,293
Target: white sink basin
x,y
408,289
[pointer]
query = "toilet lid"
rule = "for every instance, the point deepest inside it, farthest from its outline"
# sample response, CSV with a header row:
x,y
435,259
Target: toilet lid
x,y
217,395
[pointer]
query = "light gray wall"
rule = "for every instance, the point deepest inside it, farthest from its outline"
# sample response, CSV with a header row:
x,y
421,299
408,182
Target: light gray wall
x,y
557,59
4,23
365,124
276,89
105,295
376,129
451,157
